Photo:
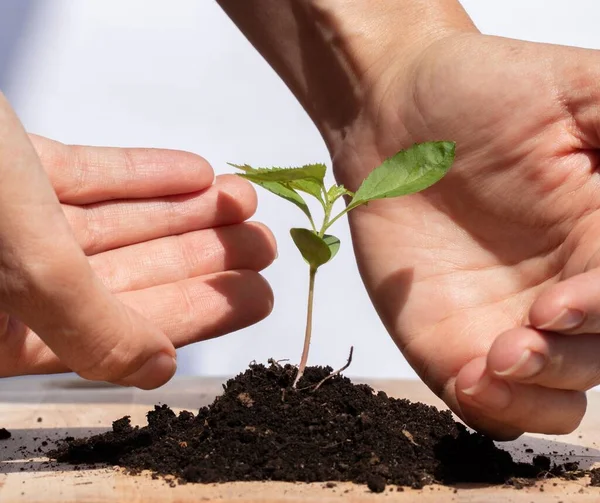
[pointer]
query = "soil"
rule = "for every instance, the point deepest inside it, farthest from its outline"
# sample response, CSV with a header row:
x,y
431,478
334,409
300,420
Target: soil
x,y
261,429
595,477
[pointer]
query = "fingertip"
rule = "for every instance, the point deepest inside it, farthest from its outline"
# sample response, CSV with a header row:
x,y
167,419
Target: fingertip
x,y
481,397
557,308
517,355
156,371
263,293
470,375
265,247
196,172
477,388
237,197
251,297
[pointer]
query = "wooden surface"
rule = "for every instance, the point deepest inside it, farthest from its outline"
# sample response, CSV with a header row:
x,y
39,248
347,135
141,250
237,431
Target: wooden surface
x,y
69,407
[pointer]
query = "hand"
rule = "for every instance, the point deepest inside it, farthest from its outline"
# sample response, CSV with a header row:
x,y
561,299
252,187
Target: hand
x,y
139,253
489,281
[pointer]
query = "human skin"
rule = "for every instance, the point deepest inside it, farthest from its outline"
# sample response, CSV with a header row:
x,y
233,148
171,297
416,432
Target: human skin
x,y
488,282
111,258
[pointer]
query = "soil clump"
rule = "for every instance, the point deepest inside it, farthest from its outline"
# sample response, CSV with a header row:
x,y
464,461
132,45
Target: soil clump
x,y
261,429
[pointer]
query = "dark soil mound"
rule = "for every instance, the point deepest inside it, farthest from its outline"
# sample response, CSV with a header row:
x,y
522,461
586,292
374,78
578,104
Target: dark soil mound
x,y
260,429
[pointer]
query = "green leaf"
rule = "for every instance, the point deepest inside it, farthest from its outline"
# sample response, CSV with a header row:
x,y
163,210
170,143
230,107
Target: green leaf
x,y
333,243
315,250
337,191
314,172
310,186
288,194
280,189
407,172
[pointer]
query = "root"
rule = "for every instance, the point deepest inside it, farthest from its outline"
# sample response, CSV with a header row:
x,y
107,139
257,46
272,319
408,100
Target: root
x,y
337,372
275,363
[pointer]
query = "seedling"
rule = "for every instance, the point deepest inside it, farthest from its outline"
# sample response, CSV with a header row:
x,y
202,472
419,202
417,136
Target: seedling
x,y
407,172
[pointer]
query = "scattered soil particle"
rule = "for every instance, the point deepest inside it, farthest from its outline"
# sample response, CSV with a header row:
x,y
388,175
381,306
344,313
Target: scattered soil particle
x,y
5,434
261,429
376,483
595,477
542,462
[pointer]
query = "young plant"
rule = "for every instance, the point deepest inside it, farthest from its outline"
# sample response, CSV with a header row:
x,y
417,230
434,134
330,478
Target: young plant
x,y
407,172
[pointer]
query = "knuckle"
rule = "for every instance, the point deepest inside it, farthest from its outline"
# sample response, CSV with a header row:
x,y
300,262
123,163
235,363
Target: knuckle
x,y
14,282
54,275
92,223
75,160
110,358
186,250
109,272
189,306
105,362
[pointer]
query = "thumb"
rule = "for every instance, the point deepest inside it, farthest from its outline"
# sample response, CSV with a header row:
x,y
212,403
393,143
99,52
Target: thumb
x,y
47,282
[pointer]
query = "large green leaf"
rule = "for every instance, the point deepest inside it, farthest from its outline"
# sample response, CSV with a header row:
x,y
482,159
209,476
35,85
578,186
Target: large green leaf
x,y
315,172
407,172
315,250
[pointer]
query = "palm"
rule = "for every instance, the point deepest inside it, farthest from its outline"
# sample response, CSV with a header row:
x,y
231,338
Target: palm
x,y
463,262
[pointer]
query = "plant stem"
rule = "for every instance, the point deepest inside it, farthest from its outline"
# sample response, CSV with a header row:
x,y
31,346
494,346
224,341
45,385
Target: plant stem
x,y
326,217
307,334
329,223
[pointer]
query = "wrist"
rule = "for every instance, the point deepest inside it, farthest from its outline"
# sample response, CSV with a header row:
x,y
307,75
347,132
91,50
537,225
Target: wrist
x,y
374,44
340,57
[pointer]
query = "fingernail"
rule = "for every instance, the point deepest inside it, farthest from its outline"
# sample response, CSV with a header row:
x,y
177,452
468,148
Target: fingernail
x,y
566,320
530,364
490,393
154,373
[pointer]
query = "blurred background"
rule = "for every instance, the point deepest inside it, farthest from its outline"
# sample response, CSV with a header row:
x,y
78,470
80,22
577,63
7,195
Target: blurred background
x,y
179,75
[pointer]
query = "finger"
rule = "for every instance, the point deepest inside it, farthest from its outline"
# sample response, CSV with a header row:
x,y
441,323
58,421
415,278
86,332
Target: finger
x,y
571,306
85,175
244,246
505,410
187,311
46,281
197,309
105,226
552,360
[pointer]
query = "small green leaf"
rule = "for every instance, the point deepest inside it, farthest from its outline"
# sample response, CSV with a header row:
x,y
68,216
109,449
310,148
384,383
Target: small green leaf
x,y
337,191
280,189
310,186
287,194
333,243
315,250
407,172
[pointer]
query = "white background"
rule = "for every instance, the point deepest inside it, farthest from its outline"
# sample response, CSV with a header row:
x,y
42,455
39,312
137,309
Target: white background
x,y
178,74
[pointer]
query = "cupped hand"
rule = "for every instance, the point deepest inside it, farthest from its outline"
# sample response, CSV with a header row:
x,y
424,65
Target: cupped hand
x,y
489,282
110,258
